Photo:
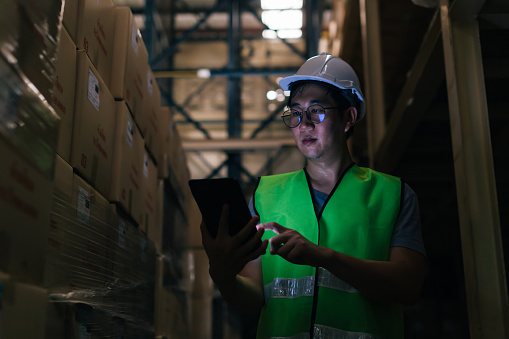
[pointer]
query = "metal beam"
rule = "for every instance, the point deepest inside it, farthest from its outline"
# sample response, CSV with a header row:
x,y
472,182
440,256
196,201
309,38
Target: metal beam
x,y
272,159
268,164
255,14
313,27
197,92
188,118
234,89
251,177
269,120
217,169
483,260
422,83
235,144
173,48
148,34
372,61
239,73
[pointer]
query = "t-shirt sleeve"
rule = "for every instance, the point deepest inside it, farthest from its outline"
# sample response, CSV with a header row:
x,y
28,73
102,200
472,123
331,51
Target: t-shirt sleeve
x,y
407,229
251,207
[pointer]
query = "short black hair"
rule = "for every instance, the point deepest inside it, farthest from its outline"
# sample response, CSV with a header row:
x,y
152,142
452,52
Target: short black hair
x,y
343,98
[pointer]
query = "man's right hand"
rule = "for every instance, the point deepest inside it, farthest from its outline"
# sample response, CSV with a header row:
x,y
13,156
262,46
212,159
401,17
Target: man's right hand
x,y
229,254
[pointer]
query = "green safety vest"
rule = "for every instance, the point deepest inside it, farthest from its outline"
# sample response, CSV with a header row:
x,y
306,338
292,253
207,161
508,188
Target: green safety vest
x,y
357,219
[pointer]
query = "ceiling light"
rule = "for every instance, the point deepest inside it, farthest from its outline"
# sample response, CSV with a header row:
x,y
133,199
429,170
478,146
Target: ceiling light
x,y
269,34
271,95
203,73
289,33
285,19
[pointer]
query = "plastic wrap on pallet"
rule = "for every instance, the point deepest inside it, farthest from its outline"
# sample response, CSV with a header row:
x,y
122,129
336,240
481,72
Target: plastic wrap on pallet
x,y
27,121
78,245
186,271
29,32
21,303
90,322
98,258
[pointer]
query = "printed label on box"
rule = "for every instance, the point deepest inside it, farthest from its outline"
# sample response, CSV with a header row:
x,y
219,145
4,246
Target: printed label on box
x,y
134,38
93,89
145,165
121,233
129,135
150,82
144,250
83,208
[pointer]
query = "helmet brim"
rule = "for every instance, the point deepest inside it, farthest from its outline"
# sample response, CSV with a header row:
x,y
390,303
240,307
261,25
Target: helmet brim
x,y
287,81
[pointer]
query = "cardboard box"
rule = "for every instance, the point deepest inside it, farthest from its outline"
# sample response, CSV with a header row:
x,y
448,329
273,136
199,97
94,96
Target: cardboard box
x,y
9,27
27,121
201,313
23,308
177,156
94,120
167,126
148,193
196,278
175,224
171,311
129,68
70,18
25,201
123,247
134,253
39,23
180,165
194,218
153,124
155,232
79,238
63,92
58,320
95,33
125,185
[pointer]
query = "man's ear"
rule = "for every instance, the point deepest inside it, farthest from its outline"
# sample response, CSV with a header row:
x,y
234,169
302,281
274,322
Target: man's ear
x,y
351,118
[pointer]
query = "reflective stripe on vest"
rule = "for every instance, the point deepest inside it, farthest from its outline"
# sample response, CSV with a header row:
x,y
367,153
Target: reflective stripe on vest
x,y
304,286
325,332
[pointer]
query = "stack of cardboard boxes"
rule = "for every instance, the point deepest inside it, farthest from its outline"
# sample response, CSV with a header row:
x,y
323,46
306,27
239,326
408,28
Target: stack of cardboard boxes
x,y
89,156
28,140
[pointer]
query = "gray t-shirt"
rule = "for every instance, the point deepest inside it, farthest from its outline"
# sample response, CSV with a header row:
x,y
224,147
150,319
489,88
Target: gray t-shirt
x,y
407,228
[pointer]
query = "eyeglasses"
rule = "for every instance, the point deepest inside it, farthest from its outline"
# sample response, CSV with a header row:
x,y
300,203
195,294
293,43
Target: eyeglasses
x,y
315,113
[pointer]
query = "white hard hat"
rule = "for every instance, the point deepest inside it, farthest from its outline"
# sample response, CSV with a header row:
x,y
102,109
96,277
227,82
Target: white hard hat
x,y
332,70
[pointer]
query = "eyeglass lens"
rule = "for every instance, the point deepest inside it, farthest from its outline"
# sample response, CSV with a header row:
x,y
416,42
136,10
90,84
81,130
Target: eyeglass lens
x,y
314,113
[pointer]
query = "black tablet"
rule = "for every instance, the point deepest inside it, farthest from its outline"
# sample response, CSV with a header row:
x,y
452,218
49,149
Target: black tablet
x,y
212,194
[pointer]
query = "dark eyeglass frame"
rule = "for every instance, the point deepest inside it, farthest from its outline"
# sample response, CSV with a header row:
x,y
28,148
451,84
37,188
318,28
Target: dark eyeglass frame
x,y
289,112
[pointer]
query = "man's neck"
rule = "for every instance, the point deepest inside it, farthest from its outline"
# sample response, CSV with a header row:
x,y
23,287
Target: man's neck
x,y
324,175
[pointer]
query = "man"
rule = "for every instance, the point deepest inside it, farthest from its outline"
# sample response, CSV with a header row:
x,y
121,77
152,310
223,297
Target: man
x,y
345,245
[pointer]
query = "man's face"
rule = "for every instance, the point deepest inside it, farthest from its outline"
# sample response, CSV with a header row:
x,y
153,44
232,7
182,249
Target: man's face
x,y
324,141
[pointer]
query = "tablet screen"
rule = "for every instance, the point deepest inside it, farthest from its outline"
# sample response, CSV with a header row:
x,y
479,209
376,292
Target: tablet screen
x,y
212,194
